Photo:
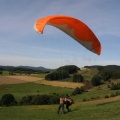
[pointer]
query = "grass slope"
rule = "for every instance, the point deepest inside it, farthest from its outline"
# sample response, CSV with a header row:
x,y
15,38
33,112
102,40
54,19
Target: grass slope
x,y
80,111
20,90
100,109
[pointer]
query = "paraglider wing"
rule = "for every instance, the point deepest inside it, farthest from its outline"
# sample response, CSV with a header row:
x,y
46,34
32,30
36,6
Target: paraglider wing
x,y
74,28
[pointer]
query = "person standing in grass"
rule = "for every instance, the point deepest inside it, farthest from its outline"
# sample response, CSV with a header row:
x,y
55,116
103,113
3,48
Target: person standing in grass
x,y
61,105
69,102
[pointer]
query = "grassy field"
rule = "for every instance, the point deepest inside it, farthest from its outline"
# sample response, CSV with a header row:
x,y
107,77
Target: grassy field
x,y
101,109
17,79
20,90
93,109
80,111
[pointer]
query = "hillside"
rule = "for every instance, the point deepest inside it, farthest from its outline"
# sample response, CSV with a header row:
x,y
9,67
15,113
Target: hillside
x,y
112,67
99,102
95,108
24,67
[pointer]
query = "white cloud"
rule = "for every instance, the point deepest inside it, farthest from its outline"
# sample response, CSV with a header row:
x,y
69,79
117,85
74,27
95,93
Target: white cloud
x,y
54,63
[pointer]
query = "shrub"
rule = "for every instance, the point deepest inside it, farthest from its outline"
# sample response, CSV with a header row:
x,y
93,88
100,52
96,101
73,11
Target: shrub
x,y
112,95
84,100
8,99
78,78
77,91
54,99
40,100
116,75
1,72
26,100
96,80
106,74
106,96
87,85
117,93
115,86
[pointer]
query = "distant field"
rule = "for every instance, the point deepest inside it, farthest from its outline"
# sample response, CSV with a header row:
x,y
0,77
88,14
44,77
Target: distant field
x,y
25,79
60,84
9,80
17,79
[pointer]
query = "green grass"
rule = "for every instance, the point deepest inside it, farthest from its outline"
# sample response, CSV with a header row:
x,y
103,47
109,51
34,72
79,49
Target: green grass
x,y
20,90
105,109
42,75
5,73
88,74
94,94
98,111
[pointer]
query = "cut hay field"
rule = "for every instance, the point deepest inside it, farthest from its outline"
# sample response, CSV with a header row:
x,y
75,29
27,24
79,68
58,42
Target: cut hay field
x,y
17,79
59,84
9,80
25,79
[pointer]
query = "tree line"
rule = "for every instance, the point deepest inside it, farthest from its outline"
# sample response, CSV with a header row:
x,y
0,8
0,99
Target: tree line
x,y
9,100
19,70
64,72
106,74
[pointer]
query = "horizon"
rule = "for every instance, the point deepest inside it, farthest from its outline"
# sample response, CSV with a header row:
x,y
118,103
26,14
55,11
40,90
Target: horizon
x,y
55,68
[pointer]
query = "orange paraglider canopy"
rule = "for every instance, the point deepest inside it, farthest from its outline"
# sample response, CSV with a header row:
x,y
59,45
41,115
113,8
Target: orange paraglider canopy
x,y
74,28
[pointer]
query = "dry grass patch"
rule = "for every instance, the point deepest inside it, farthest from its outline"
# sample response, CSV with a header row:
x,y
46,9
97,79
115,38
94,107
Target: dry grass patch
x,y
17,79
8,80
24,79
60,84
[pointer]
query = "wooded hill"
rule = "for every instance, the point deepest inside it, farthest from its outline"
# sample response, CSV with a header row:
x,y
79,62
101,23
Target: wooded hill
x,y
24,68
110,67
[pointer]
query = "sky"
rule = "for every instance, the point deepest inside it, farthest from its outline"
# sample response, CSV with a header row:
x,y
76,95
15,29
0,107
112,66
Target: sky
x,y
20,44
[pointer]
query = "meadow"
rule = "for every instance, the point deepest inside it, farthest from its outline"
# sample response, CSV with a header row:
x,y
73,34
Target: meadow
x,y
96,106
92,111
100,109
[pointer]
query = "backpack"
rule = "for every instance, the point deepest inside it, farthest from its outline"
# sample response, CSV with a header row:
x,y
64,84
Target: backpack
x,y
71,101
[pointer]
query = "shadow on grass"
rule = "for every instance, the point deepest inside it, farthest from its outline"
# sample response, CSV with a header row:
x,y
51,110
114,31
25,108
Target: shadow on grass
x,y
73,110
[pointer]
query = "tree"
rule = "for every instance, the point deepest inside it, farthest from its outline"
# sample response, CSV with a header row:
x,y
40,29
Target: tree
x,y
115,86
8,99
96,80
77,91
69,68
106,74
116,75
100,68
26,100
1,72
57,75
78,78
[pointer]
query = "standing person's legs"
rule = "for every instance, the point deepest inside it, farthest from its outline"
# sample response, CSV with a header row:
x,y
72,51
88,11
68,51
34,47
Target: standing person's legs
x,y
63,108
67,106
59,109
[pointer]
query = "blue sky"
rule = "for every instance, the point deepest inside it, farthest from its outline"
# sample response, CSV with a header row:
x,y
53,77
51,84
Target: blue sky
x,y
21,45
